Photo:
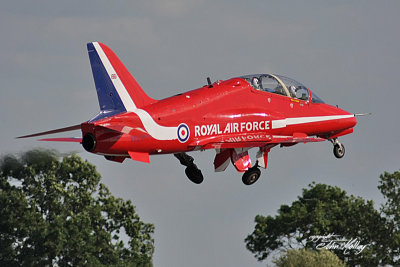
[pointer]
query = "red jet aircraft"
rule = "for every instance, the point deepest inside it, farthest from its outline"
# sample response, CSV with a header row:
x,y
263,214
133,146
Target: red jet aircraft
x,y
253,111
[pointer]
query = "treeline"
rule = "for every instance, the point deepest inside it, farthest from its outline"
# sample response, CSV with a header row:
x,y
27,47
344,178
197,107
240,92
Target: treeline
x,y
326,217
55,212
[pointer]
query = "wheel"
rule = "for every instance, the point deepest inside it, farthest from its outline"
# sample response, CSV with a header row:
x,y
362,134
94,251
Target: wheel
x,y
194,174
251,176
338,151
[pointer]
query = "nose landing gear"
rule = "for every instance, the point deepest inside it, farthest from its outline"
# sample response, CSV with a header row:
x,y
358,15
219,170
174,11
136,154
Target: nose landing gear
x,y
338,148
251,175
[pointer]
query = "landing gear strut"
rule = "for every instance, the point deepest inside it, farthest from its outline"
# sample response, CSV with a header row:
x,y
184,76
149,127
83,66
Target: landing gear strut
x,y
192,172
251,175
338,148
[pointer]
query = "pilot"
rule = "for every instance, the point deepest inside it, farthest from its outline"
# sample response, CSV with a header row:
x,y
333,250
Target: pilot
x,y
292,91
256,83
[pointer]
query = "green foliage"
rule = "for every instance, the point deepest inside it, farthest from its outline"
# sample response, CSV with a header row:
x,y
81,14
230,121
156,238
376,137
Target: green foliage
x,y
56,212
323,210
389,185
308,258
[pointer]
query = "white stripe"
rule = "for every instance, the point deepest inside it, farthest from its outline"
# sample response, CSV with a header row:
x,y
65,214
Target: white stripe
x,y
276,124
155,130
126,129
122,92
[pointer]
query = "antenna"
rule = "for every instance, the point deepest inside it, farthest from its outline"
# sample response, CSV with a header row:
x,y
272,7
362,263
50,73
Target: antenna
x,y
209,82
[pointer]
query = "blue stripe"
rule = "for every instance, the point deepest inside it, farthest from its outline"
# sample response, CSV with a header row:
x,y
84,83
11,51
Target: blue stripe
x,y
109,100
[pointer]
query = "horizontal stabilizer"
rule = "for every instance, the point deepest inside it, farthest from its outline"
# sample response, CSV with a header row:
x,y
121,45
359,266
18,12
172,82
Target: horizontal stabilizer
x,y
61,130
63,139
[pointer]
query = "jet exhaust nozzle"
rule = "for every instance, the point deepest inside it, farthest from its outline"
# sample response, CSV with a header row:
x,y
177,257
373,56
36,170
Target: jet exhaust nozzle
x,y
89,142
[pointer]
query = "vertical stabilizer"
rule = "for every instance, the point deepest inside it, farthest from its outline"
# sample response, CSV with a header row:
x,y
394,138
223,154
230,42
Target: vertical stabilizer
x,y
117,90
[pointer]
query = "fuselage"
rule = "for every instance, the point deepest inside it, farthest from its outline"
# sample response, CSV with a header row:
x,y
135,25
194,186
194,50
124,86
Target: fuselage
x,y
252,111
227,108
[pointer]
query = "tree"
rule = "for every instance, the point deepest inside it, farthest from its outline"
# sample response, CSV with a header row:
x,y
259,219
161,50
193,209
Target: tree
x,y
56,212
389,185
308,258
324,210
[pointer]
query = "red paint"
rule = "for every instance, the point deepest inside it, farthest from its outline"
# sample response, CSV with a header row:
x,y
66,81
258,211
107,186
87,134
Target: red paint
x,y
227,115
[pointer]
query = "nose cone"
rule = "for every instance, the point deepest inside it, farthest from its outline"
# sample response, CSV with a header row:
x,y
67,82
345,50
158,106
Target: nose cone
x,y
348,120
337,122
353,121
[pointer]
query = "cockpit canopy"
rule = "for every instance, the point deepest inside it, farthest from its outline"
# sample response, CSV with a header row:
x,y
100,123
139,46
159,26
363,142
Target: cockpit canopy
x,y
281,85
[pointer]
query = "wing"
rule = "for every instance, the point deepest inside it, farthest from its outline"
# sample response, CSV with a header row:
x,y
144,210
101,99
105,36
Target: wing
x,y
251,140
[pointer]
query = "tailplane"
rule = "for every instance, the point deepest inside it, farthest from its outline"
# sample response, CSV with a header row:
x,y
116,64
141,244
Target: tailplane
x,y
116,88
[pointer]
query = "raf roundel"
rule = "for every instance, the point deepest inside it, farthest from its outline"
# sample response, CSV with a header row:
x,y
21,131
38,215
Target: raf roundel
x,y
183,132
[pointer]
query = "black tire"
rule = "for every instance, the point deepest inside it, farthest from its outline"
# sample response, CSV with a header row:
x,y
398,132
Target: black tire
x,y
194,175
339,151
251,176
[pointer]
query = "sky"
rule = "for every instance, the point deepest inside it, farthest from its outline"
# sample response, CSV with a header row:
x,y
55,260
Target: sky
x,y
347,52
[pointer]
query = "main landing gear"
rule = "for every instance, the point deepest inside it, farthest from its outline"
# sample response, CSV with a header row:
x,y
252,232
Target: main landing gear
x,y
338,148
251,175
192,172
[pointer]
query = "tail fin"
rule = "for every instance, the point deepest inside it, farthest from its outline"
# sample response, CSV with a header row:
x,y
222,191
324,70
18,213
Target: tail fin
x,y
117,90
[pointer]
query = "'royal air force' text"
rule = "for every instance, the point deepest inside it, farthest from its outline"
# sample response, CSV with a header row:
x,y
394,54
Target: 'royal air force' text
x,y
234,127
